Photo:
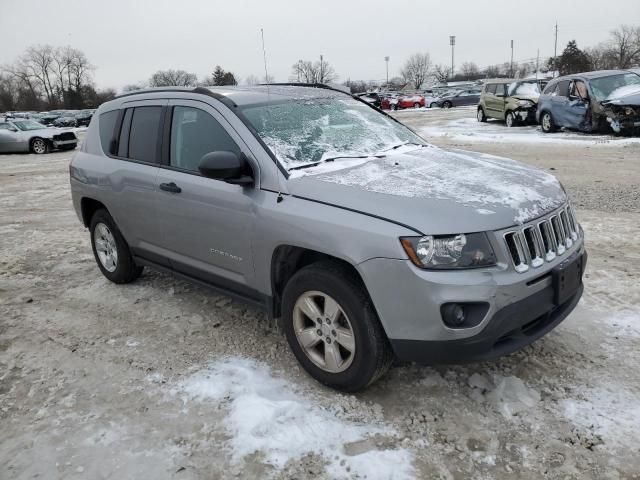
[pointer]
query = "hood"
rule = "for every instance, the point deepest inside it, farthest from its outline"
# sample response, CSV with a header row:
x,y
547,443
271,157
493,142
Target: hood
x,y
435,191
533,98
627,95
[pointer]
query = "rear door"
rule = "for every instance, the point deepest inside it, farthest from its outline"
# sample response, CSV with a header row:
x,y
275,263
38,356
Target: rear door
x,y
132,136
559,103
207,224
8,139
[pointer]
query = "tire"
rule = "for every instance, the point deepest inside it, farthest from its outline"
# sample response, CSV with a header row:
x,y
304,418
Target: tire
x,y
416,105
546,123
39,146
123,269
510,120
447,104
393,106
480,115
371,356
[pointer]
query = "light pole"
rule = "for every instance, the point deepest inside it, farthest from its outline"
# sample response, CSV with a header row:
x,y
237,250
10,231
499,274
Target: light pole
x,y
321,70
452,42
511,68
386,59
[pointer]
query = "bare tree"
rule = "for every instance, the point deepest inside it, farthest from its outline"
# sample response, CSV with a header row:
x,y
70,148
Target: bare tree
x,y
168,78
624,46
469,70
441,73
416,69
268,79
252,80
306,71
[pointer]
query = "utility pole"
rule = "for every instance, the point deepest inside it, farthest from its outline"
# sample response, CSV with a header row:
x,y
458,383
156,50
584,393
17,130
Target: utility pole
x,y
321,79
555,46
537,63
511,67
386,59
452,42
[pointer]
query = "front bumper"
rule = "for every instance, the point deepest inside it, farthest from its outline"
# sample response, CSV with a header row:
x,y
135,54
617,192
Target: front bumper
x,y
62,143
408,300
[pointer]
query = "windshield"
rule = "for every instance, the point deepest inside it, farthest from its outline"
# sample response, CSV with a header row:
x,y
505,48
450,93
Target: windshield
x,y
26,125
605,86
531,89
301,132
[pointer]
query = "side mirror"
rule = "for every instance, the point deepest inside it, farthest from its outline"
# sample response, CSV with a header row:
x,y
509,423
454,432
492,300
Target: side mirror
x,y
225,166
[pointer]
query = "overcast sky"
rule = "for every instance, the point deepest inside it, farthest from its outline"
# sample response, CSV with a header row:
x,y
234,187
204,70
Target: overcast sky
x,y
128,40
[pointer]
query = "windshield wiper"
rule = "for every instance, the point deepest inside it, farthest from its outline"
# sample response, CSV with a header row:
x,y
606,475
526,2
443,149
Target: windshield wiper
x,y
331,159
403,144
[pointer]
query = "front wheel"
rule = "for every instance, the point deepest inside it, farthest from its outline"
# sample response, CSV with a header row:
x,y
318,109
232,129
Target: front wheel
x,y
110,249
447,105
546,122
333,329
416,105
39,146
481,116
510,120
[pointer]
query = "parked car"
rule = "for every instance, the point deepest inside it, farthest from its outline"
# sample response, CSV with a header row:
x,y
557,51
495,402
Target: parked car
x,y
411,100
459,98
514,101
592,101
83,118
67,119
49,117
389,101
19,135
311,204
373,98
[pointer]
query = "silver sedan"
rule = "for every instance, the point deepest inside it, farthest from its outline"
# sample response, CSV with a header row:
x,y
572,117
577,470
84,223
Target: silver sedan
x,y
20,135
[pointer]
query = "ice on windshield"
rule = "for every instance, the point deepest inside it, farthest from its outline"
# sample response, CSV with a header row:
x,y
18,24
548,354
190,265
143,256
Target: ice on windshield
x,y
302,132
604,87
624,91
530,89
27,125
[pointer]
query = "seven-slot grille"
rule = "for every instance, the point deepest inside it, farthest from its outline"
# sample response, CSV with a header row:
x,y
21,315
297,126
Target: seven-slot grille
x,y
542,241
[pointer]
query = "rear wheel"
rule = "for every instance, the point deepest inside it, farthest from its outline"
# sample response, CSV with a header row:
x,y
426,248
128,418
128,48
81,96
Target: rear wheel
x,y
110,249
546,123
480,115
333,329
447,104
510,120
39,146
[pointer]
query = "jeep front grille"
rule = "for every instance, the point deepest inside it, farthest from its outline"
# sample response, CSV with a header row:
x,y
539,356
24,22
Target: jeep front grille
x,y
542,241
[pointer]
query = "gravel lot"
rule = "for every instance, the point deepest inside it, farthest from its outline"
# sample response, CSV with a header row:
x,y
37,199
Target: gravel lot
x,y
162,379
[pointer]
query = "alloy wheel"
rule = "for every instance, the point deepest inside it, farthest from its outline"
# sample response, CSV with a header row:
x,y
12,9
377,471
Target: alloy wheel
x,y
546,122
323,331
509,119
39,146
106,248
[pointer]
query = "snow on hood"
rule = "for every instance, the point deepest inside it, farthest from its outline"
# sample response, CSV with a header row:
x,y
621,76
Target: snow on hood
x,y
624,91
475,191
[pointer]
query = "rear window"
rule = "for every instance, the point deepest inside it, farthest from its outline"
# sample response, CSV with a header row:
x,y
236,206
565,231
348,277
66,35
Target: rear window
x,y
144,134
107,127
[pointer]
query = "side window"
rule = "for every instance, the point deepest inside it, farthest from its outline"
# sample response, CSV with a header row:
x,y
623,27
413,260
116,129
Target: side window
x,y
107,127
578,89
194,132
144,134
491,88
4,126
563,88
549,89
123,143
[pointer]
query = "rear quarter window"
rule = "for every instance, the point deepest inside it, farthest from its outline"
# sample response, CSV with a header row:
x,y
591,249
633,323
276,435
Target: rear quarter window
x,y
107,125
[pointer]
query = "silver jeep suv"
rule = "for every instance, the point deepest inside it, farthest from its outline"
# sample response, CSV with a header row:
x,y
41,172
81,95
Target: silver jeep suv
x,y
366,242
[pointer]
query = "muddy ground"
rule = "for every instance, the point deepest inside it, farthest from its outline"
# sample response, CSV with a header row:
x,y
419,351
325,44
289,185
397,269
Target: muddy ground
x,y
162,379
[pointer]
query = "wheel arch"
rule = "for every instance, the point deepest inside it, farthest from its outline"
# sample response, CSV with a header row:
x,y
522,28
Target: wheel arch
x,y
286,260
88,207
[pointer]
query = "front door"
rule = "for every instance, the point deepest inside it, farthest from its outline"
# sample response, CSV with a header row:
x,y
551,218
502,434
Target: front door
x,y
207,225
577,109
559,104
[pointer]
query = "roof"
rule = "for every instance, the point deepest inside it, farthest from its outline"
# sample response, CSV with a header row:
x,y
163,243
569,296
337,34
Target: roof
x,y
250,95
500,80
594,74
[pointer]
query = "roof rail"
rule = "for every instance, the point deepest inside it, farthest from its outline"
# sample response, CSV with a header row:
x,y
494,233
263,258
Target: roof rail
x,y
201,90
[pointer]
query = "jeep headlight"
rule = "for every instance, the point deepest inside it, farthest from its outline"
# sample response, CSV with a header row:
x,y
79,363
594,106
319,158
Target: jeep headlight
x,y
443,252
525,103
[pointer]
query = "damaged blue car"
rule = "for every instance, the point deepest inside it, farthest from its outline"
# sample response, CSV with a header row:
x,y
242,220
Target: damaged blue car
x,y
606,100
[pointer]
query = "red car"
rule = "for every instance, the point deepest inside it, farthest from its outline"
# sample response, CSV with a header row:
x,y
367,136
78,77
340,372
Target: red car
x,y
411,101
389,103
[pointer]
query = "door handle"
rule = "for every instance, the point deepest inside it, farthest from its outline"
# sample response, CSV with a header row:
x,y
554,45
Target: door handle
x,y
170,187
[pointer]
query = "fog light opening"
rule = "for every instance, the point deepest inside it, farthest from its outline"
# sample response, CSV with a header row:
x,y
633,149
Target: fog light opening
x,y
453,315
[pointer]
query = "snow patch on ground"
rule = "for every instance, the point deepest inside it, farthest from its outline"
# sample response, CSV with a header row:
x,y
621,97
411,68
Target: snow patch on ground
x,y
610,411
626,325
506,395
470,129
268,415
